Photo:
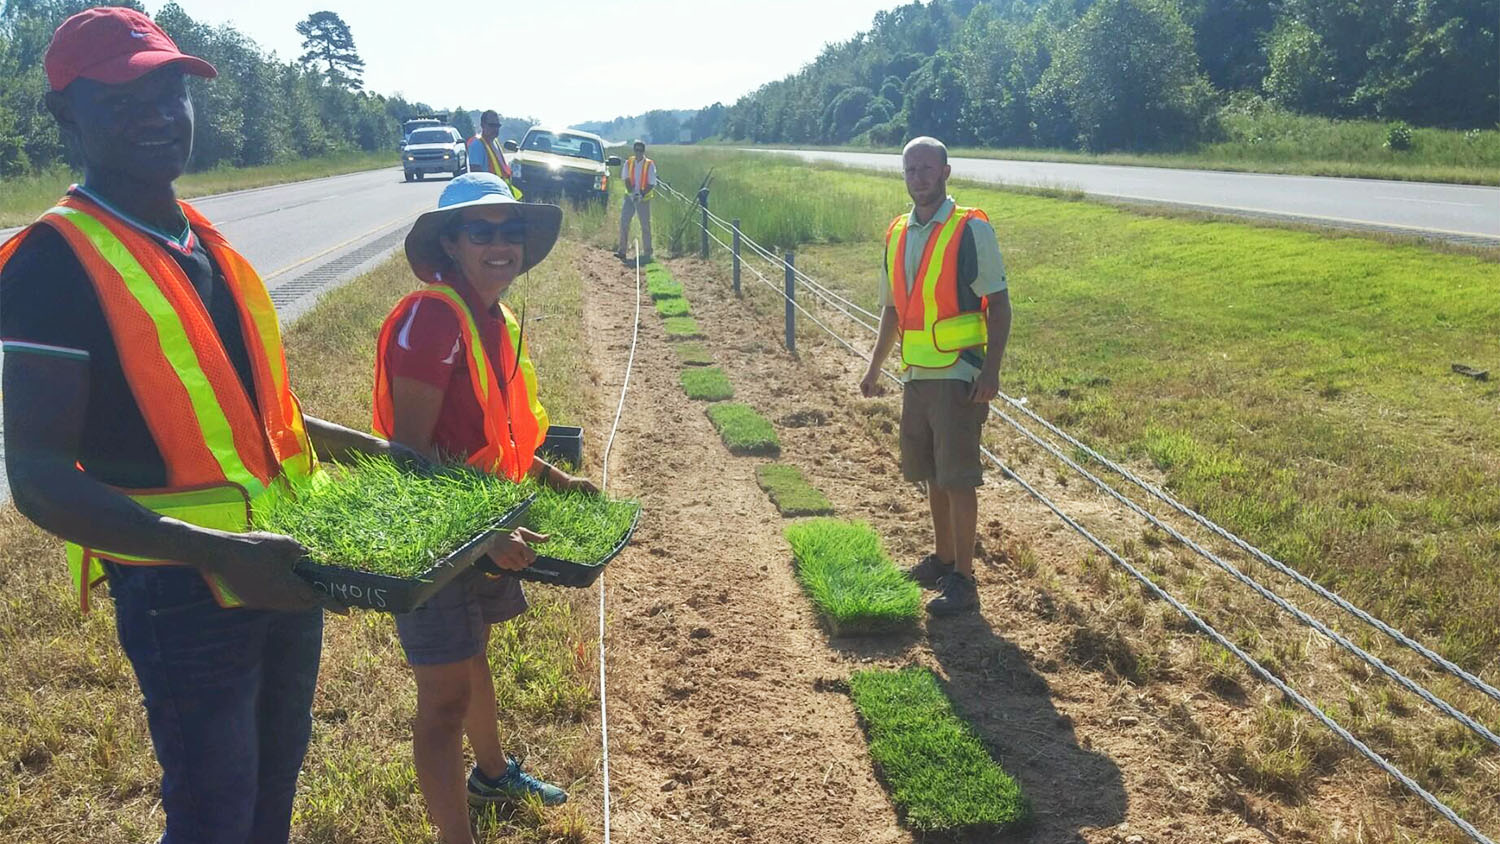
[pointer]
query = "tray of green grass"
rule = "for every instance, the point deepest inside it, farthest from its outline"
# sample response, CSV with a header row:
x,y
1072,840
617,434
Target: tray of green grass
x,y
584,532
382,538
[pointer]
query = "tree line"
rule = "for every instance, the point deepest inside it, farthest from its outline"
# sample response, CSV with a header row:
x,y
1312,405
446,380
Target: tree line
x,y
260,109
1148,75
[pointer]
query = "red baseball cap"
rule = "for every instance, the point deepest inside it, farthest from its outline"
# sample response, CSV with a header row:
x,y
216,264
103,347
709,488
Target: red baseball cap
x,y
113,45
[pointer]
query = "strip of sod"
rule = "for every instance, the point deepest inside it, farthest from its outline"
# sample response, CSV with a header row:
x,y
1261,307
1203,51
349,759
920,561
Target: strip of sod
x,y
790,492
850,577
939,774
682,328
673,306
581,528
693,354
371,515
743,430
660,284
707,384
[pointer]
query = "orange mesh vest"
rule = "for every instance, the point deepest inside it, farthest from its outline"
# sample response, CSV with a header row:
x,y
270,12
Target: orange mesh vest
x,y
637,171
935,329
220,452
515,423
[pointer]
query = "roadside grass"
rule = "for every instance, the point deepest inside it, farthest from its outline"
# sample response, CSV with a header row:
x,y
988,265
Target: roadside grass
x,y
693,354
581,528
1291,385
743,431
673,306
790,492
75,757
707,384
1269,140
850,578
682,328
939,774
22,199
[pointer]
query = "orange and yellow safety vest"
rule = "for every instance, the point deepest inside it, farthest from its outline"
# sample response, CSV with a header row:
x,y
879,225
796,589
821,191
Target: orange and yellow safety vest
x,y
515,423
935,329
637,171
221,450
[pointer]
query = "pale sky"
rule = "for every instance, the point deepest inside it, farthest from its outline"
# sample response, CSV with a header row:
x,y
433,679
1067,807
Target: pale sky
x,y
562,62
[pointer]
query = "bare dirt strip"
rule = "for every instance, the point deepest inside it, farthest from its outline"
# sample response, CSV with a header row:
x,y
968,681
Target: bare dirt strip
x,y
729,719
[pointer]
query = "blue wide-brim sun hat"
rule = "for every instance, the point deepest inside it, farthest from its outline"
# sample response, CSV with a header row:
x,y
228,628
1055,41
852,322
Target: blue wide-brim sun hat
x,y
426,255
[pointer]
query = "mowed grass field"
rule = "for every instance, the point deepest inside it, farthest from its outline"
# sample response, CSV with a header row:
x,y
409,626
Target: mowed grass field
x,y
1294,386
75,757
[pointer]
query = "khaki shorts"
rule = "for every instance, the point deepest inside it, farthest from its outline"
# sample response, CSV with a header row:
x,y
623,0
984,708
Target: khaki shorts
x,y
940,431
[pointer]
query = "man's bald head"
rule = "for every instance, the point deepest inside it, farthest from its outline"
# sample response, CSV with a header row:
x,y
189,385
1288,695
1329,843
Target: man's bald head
x,y
925,164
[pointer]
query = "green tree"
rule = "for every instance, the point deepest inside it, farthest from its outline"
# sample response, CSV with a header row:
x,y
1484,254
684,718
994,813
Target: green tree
x,y
327,39
1229,37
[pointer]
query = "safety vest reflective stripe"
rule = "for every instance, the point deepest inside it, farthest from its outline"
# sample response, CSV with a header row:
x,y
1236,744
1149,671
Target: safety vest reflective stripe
x,y
515,423
497,162
218,453
637,172
934,328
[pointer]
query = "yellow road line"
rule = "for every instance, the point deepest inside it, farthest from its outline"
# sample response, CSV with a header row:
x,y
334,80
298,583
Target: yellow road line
x,y
288,268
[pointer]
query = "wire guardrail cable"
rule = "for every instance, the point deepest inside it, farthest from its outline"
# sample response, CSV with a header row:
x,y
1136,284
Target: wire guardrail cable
x,y
1446,665
1259,670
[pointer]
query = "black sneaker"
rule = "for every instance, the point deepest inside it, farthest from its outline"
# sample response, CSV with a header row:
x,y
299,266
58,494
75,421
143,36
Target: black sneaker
x,y
957,593
930,571
620,253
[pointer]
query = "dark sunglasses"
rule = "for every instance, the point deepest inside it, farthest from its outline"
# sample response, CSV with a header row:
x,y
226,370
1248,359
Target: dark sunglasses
x,y
490,125
484,232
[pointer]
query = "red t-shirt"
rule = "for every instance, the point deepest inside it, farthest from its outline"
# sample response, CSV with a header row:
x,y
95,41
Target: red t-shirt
x,y
427,347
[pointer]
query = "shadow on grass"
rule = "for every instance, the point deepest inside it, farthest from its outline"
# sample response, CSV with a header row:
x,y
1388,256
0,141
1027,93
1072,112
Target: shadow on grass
x,y
1009,704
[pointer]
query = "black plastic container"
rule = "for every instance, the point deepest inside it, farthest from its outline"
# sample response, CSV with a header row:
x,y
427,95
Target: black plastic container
x,y
387,593
563,443
567,573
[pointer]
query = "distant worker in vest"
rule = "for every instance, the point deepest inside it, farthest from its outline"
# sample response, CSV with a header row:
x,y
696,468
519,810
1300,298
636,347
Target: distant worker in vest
x,y
454,381
485,153
945,299
146,410
639,175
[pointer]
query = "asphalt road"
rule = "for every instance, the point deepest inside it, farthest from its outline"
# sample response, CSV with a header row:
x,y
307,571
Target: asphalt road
x,y
306,237
1454,212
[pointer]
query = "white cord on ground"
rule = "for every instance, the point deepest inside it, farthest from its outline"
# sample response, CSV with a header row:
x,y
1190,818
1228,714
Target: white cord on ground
x,y
604,485
1312,709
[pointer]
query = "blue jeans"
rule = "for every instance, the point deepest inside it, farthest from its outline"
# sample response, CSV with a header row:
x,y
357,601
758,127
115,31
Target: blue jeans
x,y
228,696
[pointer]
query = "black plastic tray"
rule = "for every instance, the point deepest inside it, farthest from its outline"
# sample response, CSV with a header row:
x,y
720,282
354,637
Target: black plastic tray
x,y
568,573
564,443
387,593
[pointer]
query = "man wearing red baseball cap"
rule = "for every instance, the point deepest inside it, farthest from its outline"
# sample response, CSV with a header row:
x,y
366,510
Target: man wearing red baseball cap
x,y
146,410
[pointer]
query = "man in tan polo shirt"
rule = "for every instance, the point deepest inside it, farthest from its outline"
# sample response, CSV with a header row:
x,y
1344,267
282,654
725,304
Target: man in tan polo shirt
x,y
945,299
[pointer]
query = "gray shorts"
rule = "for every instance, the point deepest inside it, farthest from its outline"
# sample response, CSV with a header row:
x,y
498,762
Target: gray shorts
x,y
454,624
940,431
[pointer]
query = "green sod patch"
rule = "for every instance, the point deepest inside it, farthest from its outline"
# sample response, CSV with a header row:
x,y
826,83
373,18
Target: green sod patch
x,y
743,430
674,306
693,354
682,328
940,776
850,578
580,528
373,516
790,492
660,284
707,384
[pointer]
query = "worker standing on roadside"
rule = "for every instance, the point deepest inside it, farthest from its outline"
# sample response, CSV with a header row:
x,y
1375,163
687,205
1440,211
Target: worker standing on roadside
x,y
453,379
945,299
639,175
146,409
485,154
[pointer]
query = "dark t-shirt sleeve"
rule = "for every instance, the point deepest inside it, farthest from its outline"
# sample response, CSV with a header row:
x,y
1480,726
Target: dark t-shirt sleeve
x,y
47,298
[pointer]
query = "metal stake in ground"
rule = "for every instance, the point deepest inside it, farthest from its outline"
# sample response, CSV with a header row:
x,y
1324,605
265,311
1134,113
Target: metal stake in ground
x,y
703,207
736,224
791,305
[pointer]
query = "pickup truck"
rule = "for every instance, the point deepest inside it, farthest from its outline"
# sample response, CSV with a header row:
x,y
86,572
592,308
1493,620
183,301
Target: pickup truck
x,y
435,149
549,163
